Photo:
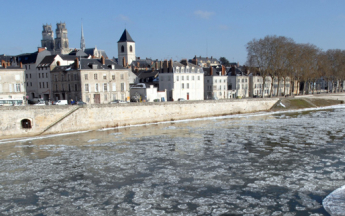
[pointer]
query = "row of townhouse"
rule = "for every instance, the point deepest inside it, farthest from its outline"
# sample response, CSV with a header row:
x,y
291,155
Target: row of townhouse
x,y
94,81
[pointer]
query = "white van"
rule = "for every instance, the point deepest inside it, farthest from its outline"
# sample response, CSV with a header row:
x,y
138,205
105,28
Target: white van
x,y
61,102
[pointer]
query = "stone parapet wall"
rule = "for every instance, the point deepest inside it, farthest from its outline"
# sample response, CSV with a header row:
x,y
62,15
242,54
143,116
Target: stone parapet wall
x,y
92,117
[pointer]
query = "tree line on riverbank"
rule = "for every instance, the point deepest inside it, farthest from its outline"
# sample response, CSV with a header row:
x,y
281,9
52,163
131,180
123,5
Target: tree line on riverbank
x,y
305,64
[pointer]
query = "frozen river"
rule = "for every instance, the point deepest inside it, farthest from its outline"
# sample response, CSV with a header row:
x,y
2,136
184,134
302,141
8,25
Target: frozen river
x,y
251,164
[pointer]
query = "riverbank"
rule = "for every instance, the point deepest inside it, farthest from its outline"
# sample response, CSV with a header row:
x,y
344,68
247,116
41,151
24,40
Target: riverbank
x,y
45,120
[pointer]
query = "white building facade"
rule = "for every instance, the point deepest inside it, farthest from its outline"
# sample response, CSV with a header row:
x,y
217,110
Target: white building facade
x,y
182,81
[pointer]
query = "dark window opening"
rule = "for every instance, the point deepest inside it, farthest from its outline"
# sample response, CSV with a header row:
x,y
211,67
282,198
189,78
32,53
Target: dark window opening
x,y
26,123
122,49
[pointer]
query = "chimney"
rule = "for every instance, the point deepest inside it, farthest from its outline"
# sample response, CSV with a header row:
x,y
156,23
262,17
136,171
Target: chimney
x,y
138,58
138,64
103,60
211,57
156,65
4,65
211,71
170,65
165,66
207,58
184,62
8,63
76,63
223,70
40,49
21,65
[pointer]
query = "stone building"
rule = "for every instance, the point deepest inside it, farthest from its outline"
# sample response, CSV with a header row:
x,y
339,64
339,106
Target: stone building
x,y
12,79
216,83
94,81
182,80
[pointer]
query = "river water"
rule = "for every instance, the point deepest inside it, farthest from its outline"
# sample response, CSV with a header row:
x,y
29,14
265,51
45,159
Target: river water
x,y
252,164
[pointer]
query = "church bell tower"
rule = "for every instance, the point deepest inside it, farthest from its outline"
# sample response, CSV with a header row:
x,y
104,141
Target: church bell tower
x,y
126,49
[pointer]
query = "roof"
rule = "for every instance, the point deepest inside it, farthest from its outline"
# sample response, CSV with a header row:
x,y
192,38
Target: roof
x,y
46,61
86,64
125,37
91,51
205,59
27,58
143,63
78,53
143,74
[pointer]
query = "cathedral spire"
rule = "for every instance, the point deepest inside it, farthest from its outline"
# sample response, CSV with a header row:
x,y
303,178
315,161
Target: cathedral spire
x,y
82,41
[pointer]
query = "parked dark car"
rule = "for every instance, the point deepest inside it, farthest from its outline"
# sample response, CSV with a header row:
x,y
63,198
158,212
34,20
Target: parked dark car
x,y
81,103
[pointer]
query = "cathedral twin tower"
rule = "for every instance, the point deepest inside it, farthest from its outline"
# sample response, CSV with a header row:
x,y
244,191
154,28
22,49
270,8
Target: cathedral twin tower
x,y
126,45
60,43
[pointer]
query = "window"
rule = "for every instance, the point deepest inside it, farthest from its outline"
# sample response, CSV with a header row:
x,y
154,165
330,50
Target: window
x,y
39,75
215,81
238,80
114,87
122,87
192,77
86,87
177,78
105,97
182,77
104,76
75,87
130,48
86,77
198,77
43,84
187,85
46,75
187,77
30,83
27,84
26,76
29,66
122,76
96,87
40,85
105,87
113,76
30,76
122,49
182,85
176,70
75,77
17,87
95,76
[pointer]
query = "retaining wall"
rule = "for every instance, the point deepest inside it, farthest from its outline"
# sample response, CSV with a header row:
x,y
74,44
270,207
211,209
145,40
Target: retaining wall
x,y
53,119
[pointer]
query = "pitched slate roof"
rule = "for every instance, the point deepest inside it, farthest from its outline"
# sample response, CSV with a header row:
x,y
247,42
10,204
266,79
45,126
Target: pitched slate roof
x,y
27,58
86,64
46,61
125,37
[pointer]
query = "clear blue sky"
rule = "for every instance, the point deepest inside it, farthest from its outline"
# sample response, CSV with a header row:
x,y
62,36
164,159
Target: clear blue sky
x,y
175,29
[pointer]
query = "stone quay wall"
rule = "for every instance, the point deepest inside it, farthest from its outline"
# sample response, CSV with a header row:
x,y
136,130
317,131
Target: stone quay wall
x,y
64,119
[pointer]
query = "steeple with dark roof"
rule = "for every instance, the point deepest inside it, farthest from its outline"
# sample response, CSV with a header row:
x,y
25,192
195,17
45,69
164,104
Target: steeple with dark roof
x,y
125,37
82,41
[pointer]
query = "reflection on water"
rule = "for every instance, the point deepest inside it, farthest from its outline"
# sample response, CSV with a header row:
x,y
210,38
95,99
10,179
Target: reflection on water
x,y
279,164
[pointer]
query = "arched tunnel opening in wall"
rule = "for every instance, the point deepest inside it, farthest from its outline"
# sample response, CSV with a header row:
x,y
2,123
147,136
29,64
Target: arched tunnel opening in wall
x,y
26,123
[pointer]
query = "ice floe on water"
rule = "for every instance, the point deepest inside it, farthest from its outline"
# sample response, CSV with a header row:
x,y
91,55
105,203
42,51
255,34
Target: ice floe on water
x,y
334,203
264,164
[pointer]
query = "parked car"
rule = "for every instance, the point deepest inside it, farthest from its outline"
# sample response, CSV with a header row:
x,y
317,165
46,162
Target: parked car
x,y
80,103
181,99
117,101
40,103
61,102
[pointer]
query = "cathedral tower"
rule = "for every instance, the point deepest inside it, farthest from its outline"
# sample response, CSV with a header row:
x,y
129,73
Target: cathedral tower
x,y
48,37
61,40
126,49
